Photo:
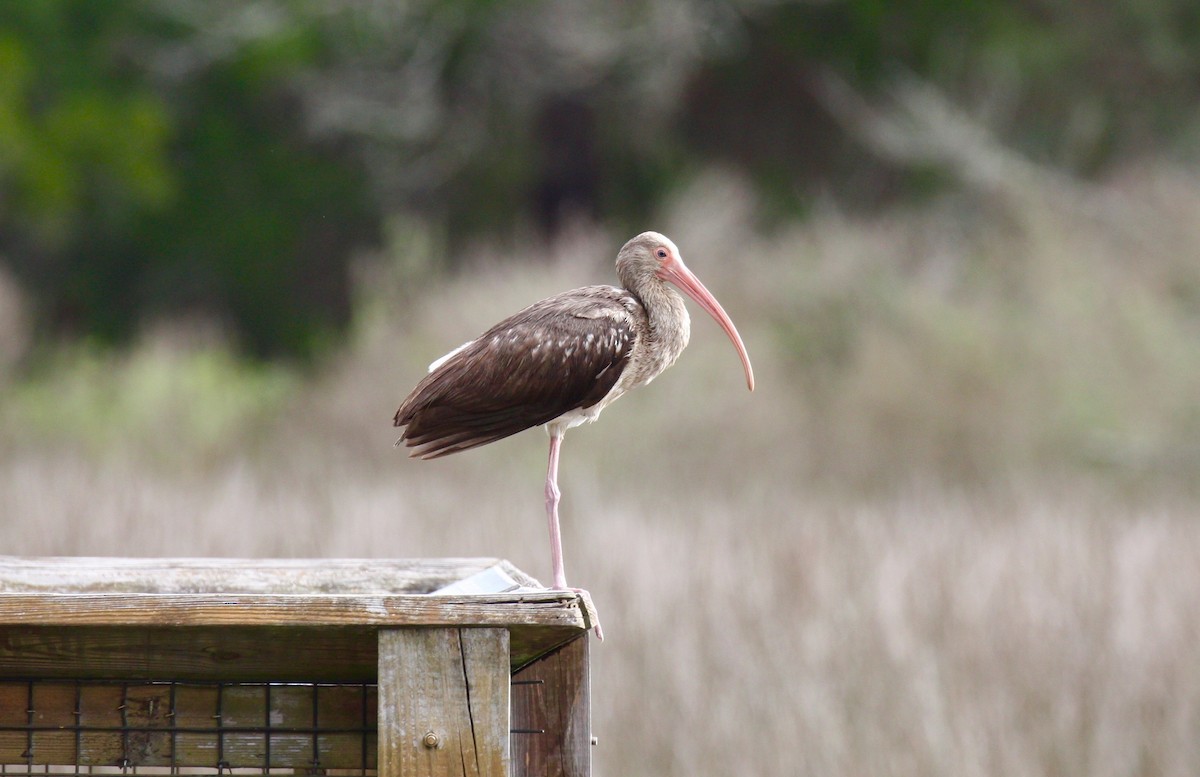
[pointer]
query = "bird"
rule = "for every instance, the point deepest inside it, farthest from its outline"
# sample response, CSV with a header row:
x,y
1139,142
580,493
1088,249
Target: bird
x,y
559,362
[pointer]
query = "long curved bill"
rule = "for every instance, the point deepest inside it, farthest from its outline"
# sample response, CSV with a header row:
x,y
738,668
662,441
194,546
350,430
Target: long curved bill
x,y
675,271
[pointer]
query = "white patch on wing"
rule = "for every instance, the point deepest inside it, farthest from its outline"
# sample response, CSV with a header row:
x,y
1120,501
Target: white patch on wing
x,y
442,360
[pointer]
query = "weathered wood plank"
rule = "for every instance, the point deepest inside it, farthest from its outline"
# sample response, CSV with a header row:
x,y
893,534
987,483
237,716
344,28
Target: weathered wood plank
x,y
279,654
225,575
548,608
552,695
248,654
444,657
443,703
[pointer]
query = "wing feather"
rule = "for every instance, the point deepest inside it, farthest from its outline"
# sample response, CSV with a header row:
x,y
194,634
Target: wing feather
x,y
561,354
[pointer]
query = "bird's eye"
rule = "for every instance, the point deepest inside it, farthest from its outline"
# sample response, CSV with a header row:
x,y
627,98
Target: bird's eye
x,y
661,253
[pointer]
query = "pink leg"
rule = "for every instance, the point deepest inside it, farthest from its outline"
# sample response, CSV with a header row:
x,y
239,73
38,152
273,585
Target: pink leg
x,y
552,497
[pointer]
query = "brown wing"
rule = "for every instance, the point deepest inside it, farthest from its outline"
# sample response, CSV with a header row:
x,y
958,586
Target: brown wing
x,y
563,353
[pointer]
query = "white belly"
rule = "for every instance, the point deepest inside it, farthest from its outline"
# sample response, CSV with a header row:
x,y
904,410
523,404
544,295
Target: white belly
x,y
583,415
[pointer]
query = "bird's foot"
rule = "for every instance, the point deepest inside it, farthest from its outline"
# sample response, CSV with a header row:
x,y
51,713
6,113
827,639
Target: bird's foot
x,y
589,610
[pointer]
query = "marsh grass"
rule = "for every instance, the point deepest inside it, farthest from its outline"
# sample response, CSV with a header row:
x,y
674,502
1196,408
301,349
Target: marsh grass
x,y
169,399
953,532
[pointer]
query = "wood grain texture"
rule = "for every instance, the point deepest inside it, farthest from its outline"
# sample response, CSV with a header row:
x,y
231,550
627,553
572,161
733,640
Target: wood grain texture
x,y
301,619
552,695
246,654
443,703
74,630
549,608
259,576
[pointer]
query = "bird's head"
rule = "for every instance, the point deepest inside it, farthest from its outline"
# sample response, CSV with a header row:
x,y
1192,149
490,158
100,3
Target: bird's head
x,y
652,255
643,257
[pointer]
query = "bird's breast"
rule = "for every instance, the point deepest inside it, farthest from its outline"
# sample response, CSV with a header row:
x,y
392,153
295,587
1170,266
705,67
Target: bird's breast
x,y
662,335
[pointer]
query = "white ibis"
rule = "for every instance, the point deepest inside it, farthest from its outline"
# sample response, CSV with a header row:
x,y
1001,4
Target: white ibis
x,y
559,362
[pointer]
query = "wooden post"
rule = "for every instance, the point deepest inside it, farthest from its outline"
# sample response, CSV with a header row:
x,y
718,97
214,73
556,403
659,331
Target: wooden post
x,y
551,695
199,663
443,702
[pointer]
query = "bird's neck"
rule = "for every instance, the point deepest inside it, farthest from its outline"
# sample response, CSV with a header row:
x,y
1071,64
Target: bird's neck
x,y
667,318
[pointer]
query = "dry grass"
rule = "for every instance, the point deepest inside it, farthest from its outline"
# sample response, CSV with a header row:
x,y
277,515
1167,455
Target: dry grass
x,y
953,533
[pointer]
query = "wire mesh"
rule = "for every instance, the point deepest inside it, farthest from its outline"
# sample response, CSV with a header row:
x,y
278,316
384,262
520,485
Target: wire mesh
x,y
56,727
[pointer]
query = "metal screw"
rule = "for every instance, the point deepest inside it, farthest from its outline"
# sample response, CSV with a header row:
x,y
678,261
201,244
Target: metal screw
x,y
431,740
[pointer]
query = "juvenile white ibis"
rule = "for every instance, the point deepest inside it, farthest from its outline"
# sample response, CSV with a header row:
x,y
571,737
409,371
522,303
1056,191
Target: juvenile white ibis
x,y
559,362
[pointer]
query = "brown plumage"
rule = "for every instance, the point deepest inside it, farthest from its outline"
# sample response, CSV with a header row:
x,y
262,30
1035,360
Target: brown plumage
x,y
560,354
560,361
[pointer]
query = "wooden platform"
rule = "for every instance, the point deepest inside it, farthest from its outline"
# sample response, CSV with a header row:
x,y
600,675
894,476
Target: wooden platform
x,y
399,667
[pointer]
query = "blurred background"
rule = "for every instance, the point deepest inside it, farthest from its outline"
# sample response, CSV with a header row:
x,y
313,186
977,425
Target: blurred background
x,y
953,532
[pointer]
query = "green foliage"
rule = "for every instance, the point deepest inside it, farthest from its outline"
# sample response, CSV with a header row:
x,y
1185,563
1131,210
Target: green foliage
x,y
211,156
140,190
158,401
1080,86
77,136
263,226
